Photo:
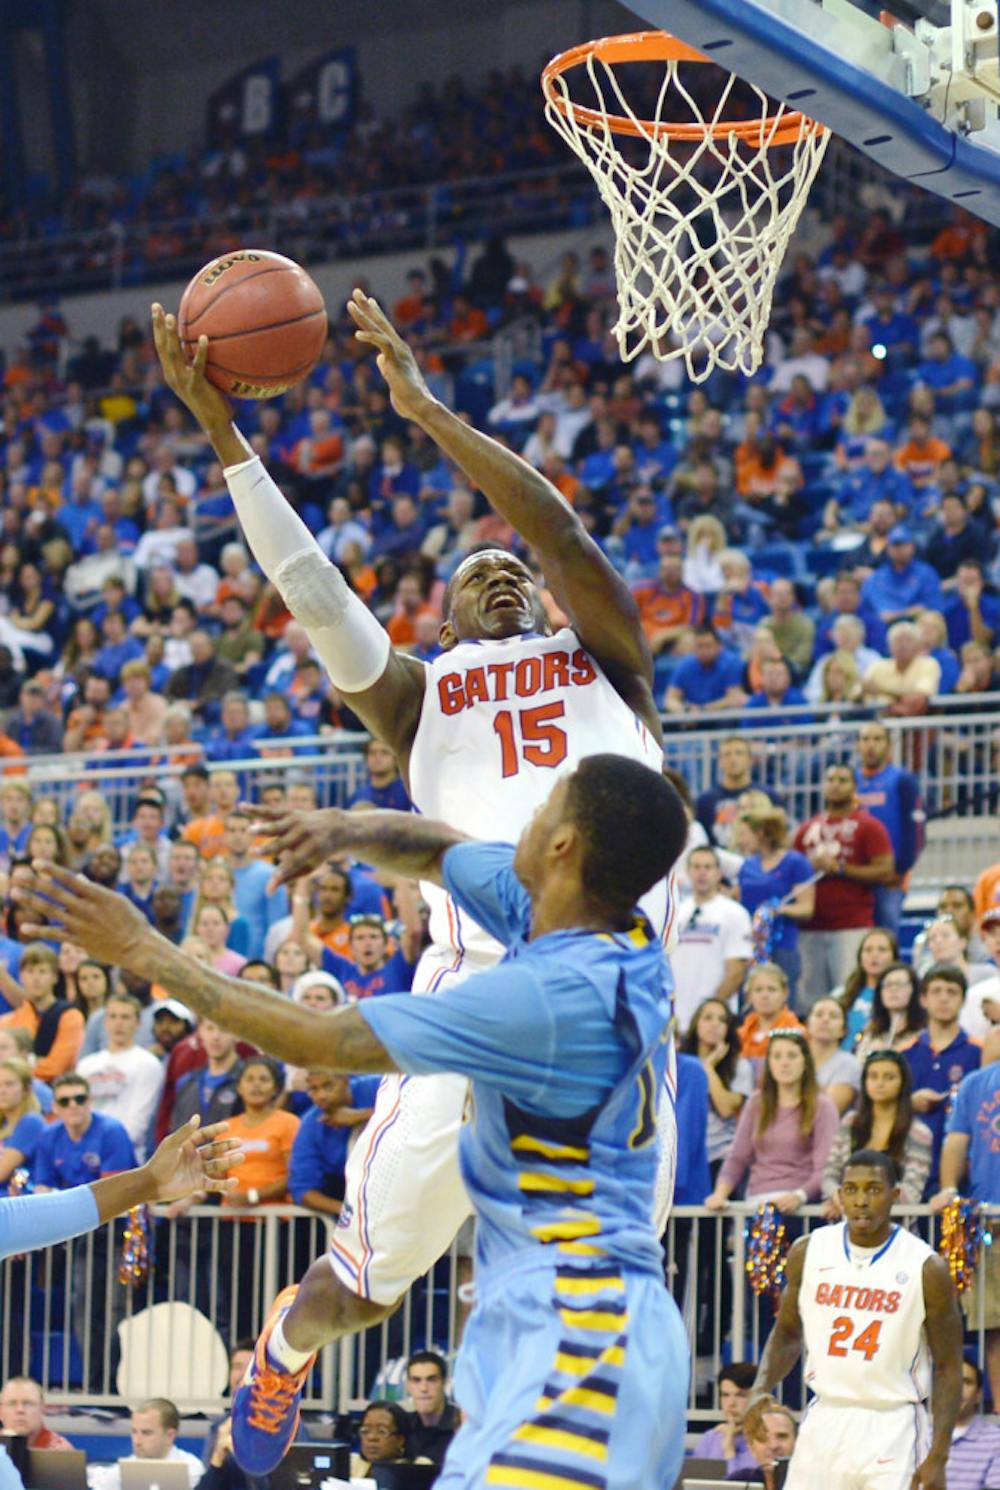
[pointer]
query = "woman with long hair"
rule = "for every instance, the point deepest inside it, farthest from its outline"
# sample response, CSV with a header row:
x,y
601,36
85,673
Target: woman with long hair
x,y
21,1123
943,942
840,681
95,984
211,924
897,1015
878,949
218,887
46,841
94,806
268,1133
837,1071
884,1120
291,961
706,538
713,1037
781,879
784,1132
81,648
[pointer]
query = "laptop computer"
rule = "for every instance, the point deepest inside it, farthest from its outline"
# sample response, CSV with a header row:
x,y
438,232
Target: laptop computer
x,y
154,1474
56,1469
702,1469
307,1465
405,1476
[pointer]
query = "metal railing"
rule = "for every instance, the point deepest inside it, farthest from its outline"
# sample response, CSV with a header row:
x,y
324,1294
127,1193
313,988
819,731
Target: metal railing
x,y
313,230
953,753
71,1324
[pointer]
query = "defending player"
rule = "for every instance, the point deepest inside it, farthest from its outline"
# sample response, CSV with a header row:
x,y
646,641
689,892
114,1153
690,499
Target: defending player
x,y
479,734
573,1371
876,1309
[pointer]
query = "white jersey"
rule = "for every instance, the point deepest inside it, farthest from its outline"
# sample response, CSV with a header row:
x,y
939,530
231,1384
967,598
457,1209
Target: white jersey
x,y
863,1319
501,722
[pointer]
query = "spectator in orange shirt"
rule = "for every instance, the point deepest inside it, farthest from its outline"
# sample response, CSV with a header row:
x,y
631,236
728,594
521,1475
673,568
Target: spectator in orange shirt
x,y
329,891
766,988
56,1027
923,452
667,608
411,307
266,1132
467,322
207,831
321,451
410,605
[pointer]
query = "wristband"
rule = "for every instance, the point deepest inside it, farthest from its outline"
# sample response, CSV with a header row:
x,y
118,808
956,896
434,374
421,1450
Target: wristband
x,y
253,1196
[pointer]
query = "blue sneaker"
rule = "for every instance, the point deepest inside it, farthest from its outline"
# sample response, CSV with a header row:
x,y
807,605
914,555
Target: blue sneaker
x,y
265,1413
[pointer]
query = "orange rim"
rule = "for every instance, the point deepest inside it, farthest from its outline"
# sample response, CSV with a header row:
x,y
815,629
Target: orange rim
x,y
659,46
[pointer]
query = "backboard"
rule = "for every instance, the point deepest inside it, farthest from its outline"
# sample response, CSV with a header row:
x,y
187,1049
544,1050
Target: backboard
x,y
922,102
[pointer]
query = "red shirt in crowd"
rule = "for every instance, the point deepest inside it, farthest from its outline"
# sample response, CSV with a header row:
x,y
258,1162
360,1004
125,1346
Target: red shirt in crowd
x,y
858,838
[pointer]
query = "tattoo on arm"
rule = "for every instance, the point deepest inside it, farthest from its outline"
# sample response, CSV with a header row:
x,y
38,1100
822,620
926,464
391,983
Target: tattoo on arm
x,y
404,843
341,1041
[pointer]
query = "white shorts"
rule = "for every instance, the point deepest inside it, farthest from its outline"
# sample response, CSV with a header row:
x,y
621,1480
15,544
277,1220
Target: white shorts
x,y
858,1448
404,1198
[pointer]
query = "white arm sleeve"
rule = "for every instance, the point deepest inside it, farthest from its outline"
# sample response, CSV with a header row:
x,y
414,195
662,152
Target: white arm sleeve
x,y
347,638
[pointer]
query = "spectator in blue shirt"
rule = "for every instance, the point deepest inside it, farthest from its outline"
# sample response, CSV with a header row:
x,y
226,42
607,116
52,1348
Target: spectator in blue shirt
x,y
118,648
971,613
893,796
371,969
954,537
906,584
890,328
971,1146
777,692
942,1056
21,1122
15,820
279,724
776,875
655,457
251,878
637,529
951,377
384,786
693,1181
319,1152
83,1145
877,479
847,601
707,681
233,740
934,641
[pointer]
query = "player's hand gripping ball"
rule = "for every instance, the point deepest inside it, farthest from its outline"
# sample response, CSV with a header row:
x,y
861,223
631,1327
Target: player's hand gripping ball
x,y
264,318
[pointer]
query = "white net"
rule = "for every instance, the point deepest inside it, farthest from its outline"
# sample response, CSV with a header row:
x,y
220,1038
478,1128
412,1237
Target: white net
x,y
703,205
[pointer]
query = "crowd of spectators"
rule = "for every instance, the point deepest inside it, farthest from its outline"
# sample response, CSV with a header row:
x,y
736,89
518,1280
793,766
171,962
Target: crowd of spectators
x,y
817,543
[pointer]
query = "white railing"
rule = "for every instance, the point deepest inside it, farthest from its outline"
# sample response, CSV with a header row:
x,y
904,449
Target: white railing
x,y
69,1322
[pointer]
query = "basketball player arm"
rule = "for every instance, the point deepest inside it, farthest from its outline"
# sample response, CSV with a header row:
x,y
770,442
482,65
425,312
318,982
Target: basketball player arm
x,y
943,1324
68,908
784,1344
384,689
583,582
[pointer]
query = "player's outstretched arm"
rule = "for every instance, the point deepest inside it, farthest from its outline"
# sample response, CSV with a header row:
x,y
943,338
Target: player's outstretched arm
x,y
784,1344
65,907
943,1323
585,584
400,842
385,689
190,1160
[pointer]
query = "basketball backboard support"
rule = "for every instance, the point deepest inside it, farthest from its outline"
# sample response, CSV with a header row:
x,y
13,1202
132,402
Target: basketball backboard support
x,y
922,102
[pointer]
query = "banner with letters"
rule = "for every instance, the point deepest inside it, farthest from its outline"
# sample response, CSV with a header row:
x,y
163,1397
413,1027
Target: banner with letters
x,y
324,93
246,107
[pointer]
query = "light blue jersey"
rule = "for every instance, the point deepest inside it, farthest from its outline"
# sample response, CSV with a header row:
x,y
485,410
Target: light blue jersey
x,y
574,1369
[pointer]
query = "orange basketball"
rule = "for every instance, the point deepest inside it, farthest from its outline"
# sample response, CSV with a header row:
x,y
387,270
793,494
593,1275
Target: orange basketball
x,y
264,318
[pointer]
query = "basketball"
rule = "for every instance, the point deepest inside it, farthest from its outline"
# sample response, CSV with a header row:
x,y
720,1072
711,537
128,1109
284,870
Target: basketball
x,y
264,318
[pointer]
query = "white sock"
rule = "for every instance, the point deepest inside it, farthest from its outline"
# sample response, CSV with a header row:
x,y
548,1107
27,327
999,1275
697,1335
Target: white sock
x,y
283,1355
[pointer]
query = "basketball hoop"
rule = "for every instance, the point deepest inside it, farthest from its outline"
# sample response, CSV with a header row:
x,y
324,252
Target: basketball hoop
x,y
703,205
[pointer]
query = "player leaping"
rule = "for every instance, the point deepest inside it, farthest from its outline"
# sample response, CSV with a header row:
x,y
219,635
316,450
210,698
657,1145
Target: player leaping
x,y
573,1371
480,734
